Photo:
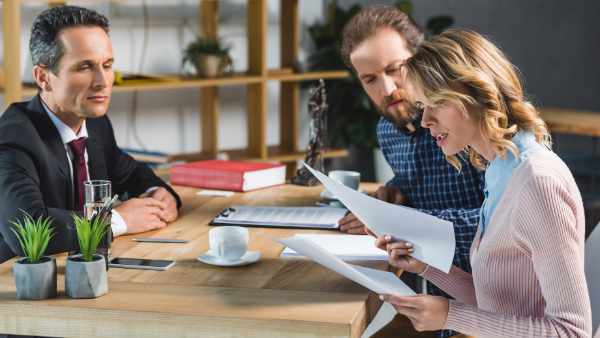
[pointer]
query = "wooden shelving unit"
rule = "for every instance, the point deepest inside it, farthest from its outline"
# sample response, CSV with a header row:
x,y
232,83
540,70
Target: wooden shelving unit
x,y
255,79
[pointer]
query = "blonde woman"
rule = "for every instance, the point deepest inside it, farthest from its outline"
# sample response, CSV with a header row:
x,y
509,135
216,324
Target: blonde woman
x,y
527,257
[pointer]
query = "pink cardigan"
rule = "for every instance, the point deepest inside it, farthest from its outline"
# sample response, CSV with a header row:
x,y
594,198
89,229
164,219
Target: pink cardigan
x,y
528,275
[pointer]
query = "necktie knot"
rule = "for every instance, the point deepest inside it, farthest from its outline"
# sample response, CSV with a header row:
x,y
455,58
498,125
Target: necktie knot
x,y
78,149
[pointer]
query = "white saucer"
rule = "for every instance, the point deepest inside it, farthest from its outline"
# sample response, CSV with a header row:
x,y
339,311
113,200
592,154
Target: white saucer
x,y
248,258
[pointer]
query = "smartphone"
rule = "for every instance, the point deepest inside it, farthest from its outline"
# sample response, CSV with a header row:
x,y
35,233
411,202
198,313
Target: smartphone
x,y
141,263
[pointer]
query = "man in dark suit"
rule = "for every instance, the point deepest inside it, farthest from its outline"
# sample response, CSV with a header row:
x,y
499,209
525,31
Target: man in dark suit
x,y
62,137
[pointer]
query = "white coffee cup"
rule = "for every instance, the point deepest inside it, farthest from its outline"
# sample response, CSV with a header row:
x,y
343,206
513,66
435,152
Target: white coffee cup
x,y
349,178
228,242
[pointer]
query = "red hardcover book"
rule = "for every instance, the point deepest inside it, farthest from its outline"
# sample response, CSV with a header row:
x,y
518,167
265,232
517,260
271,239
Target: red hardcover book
x,y
228,175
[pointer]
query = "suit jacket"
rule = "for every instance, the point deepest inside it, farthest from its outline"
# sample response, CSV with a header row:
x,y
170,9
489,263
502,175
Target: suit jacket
x,y
35,175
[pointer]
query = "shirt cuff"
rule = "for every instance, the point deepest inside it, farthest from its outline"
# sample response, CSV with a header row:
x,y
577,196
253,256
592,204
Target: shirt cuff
x,y
117,223
151,189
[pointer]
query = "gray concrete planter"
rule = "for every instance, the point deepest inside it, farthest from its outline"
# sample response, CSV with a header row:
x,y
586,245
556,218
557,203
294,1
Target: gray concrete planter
x,y
85,279
35,281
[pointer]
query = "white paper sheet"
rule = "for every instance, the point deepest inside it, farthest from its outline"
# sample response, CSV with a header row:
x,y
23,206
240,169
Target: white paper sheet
x,y
432,238
345,247
380,282
382,318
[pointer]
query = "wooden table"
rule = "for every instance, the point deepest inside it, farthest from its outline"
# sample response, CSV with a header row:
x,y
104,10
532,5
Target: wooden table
x,y
568,121
272,298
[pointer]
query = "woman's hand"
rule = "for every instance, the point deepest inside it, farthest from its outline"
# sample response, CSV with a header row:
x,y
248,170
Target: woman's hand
x,y
426,313
399,253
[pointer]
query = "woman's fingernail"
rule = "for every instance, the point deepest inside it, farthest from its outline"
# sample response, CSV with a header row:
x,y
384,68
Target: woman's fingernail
x,y
409,245
411,250
388,237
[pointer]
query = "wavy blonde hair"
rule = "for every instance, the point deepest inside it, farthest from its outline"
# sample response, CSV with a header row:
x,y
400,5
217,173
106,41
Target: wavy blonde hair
x,y
462,67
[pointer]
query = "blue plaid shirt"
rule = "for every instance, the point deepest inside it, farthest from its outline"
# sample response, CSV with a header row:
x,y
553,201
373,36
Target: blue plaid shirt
x,y
434,186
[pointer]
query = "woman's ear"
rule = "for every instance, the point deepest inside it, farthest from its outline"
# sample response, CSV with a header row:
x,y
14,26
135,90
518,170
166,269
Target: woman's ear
x,y
42,77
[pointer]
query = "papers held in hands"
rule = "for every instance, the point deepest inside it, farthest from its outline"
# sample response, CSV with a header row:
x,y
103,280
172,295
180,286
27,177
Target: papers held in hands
x,y
345,247
432,238
381,282
284,217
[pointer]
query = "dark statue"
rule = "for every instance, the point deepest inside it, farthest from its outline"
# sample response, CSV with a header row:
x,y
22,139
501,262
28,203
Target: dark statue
x,y
317,110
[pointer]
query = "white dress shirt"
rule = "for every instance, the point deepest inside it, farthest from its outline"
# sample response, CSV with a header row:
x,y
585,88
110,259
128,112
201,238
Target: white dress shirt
x,y
67,135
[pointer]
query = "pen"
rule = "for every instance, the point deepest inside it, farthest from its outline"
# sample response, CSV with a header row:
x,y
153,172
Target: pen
x,y
159,240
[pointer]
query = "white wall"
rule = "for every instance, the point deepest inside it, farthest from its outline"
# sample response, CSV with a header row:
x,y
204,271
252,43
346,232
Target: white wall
x,y
169,120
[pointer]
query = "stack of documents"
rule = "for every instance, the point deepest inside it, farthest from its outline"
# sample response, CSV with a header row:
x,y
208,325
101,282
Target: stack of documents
x,y
345,247
286,217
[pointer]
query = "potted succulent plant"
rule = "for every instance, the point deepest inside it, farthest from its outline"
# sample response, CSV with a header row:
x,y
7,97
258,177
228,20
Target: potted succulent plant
x,y
208,56
35,274
85,274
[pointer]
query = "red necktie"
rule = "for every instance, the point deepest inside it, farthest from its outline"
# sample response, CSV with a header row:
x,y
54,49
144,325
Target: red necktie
x,y
79,170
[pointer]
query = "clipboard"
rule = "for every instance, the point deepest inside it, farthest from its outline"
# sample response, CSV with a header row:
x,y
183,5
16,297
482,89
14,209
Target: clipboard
x,y
280,217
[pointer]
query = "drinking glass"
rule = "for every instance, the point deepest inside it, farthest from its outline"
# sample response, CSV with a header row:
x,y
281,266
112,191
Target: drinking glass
x,y
98,192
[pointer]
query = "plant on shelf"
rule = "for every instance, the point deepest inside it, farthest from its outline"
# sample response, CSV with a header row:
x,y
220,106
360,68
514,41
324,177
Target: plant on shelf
x,y
209,57
35,274
352,117
85,274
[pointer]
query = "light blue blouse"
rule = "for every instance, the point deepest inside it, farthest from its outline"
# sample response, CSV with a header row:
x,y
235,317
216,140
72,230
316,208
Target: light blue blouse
x,y
499,172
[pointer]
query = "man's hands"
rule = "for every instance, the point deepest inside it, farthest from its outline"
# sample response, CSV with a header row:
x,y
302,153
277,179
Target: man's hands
x,y
149,212
170,210
391,195
352,225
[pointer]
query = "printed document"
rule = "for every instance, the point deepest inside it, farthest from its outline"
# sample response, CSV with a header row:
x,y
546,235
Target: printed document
x,y
432,237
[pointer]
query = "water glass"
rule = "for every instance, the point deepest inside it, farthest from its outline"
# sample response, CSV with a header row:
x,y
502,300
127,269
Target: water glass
x,y
98,192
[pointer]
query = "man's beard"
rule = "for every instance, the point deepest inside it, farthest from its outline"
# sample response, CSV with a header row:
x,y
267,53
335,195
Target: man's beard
x,y
408,115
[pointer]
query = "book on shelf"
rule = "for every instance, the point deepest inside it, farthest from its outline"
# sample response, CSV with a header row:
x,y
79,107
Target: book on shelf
x,y
228,175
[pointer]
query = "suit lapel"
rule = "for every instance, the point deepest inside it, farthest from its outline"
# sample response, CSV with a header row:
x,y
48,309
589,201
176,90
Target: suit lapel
x,y
55,147
50,135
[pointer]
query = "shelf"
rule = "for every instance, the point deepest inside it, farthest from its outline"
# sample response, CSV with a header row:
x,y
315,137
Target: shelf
x,y
171,83
290,76
275,153
29,91
174,83
569,121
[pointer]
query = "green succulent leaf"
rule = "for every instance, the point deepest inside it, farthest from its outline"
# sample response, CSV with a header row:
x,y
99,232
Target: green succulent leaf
x,y
33,235
89,235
